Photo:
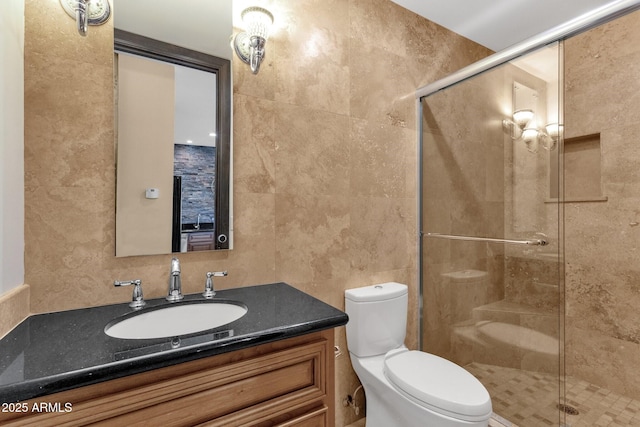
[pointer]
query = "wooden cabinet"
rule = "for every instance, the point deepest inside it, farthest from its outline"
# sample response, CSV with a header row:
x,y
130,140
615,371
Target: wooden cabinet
x,y
288,383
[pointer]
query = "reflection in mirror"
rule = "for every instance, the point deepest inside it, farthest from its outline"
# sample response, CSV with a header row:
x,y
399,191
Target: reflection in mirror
x,y
535,168
173,148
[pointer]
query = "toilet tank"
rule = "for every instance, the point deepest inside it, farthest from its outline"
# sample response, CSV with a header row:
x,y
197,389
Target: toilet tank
x,y
377,318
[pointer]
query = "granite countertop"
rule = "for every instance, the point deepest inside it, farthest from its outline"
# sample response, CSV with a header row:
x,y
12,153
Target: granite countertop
x,y
53,352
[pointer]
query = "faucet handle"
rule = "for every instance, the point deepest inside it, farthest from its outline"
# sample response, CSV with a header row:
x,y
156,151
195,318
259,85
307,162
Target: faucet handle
x,y
137,300
208,285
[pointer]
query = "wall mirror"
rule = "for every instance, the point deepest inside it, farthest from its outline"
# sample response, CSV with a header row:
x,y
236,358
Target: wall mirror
x,y
173,132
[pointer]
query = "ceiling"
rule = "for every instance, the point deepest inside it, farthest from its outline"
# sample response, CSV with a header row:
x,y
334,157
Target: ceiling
x,y
498,24
203,25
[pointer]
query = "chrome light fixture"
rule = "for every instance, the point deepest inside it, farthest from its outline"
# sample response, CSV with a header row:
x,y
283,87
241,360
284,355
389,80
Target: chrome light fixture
x,y
249,45
530,138
523,127
553,133
521,119
87,12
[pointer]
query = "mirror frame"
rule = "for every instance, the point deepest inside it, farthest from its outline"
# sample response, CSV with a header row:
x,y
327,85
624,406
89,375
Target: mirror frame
x,y
127,42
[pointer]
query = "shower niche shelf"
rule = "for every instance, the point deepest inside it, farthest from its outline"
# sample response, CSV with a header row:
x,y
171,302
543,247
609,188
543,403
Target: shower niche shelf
x,y
582,171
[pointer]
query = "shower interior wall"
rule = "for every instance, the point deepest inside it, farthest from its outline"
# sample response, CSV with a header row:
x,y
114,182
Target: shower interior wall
x,y
602,98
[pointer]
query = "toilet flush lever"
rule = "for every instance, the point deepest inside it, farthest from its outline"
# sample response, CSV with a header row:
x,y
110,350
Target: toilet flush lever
x,y
137,300
209,292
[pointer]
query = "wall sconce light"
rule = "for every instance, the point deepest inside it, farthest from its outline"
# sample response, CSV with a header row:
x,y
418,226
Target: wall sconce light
x,y
530,139
521,119
523,127
249,45
551,136
87,12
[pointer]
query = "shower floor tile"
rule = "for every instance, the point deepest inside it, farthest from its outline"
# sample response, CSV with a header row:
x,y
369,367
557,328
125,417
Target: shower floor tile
x,y
529,399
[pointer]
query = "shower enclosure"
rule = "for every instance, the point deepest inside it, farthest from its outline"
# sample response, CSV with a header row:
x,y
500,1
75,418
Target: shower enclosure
x,y
492,236
525,170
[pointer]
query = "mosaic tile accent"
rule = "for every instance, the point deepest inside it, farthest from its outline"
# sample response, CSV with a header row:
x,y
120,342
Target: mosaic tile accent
x,y
530,398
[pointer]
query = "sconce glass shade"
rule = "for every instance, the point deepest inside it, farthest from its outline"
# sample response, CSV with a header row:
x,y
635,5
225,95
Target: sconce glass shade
x,y
257,22
522,117
550,137
249,45
530,138
554,130
548,143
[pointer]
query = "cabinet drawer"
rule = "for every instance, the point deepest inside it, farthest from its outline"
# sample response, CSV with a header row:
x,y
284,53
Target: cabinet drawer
x,y
262,387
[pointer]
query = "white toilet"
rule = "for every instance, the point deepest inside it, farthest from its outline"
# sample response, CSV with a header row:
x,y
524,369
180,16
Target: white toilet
x,y
406,388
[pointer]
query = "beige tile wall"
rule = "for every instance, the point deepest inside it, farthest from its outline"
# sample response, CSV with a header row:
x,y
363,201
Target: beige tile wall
x,y
602,238
324,160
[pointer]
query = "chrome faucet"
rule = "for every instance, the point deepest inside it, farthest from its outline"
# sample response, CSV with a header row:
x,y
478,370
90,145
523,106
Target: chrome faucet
x,y
175,283
137,300
209,292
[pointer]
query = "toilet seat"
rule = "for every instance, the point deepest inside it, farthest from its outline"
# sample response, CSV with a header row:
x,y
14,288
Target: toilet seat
x,y
438,384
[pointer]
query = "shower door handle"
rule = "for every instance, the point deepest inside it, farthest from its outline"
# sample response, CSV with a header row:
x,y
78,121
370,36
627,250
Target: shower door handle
x,y
530,242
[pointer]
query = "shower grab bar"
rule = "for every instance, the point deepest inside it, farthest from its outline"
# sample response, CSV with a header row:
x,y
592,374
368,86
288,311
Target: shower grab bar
x,y
530,242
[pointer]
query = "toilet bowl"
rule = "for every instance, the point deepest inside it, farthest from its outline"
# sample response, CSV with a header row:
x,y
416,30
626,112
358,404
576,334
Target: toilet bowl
x,y
406,388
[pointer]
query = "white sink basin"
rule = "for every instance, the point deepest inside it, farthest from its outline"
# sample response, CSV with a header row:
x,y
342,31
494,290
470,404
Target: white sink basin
x,y
181,318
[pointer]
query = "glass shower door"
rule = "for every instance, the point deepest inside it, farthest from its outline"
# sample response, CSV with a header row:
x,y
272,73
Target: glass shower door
x,y
491,247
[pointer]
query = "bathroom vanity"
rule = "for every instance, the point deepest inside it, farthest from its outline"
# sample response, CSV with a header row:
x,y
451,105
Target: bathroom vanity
x,y
272,367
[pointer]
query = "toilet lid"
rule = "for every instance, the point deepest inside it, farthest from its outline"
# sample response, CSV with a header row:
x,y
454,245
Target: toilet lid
x,y
438,384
